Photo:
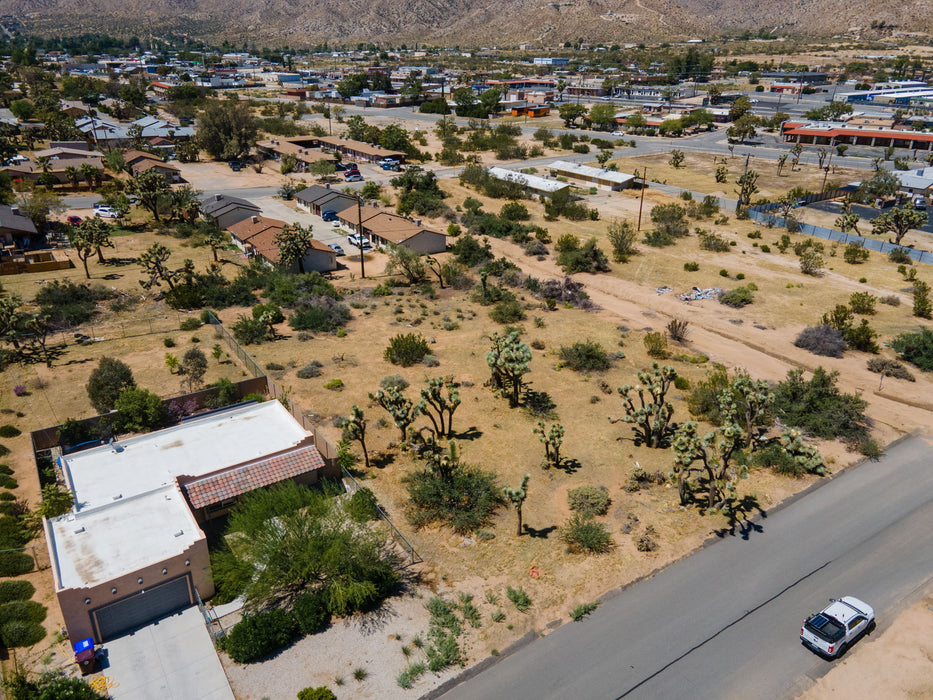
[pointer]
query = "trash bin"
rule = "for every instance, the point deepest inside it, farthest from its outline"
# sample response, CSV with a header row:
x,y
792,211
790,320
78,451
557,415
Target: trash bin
x,y
87,661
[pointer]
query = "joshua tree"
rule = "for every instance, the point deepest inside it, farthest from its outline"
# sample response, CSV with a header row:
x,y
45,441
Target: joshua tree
x,y
402,409
651,417
508,359
355,430
443,396
552,438
517,498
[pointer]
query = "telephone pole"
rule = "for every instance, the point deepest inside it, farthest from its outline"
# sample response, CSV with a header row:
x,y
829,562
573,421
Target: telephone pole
x,y
644,186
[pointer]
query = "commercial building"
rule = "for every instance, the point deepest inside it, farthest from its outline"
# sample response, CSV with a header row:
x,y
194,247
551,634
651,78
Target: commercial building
x,y
133,549
826,133
595,177
531,182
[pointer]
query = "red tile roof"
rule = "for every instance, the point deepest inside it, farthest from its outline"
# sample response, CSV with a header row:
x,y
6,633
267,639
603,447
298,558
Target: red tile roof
x,y
254,475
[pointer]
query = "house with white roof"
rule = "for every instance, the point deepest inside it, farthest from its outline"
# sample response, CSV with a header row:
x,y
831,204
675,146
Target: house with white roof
x,y
595,177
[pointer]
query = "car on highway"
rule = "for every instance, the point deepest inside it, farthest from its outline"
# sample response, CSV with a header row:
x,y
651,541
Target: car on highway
x,y
838,626
353,177
337,248
105,212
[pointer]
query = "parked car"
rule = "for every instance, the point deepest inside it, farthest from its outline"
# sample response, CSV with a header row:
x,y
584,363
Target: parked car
x,y
236,166
329,215
336,247
920,203
617,133
74,220
360,242
837,627
353,177
105,212
387,161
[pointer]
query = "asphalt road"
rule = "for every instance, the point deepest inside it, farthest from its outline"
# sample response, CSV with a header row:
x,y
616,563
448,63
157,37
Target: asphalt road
x,y
724,623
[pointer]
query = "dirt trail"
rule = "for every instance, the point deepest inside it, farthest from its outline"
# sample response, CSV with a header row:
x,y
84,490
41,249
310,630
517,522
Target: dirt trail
x,y
766,353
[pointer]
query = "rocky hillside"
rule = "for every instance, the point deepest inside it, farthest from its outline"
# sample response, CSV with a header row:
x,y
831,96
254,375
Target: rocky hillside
x,y
460,22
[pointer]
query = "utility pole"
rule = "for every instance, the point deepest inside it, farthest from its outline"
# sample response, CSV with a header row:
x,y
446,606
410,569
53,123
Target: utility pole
x,y
641,203
359,235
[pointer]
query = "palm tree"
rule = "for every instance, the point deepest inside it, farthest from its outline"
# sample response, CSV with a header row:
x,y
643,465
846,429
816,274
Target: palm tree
x,y
87,172
73,175
44,162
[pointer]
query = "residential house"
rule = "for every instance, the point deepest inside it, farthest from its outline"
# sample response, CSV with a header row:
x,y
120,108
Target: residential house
x,y
226,210
16,229
359,150
383,228
595,177
256,236
317,199
74,108
531,182
917,182
140,161
133,548
276,148
58,166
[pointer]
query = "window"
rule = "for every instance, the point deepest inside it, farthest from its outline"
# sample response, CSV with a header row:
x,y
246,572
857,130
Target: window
x,y
855,622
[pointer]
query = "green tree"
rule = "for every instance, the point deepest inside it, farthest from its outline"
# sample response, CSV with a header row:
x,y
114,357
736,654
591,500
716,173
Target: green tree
x,y
650,417
185,203
899,222
570,113
508,360
883,184
402,409
517,498
748,186
293,242
743,128
107,381
227,129
138,410
322,169
24,110
622,235
603,116
153,261
193,367
740,107
74,175
407,262
55,501
39,204
152,188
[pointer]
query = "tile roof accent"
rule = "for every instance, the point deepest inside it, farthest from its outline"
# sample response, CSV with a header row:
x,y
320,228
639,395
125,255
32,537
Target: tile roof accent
x,y
244,478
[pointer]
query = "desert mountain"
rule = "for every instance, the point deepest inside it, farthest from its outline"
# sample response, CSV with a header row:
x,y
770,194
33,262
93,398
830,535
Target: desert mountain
x,y
460,22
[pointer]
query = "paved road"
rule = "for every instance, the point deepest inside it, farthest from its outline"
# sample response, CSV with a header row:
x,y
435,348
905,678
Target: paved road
x,y
724,623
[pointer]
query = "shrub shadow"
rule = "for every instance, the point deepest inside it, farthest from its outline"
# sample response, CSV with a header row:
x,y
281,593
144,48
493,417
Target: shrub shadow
x,y
539,533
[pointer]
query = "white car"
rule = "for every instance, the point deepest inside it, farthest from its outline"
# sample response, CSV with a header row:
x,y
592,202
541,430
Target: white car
x,y
358,241
617,133
838,626
105,212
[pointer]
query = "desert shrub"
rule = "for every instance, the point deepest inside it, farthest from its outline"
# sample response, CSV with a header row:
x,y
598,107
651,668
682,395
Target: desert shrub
x,y
321,314
587,356
168,342
656,344
916,348
712,241
535,248
583,534
658,239
406,350
514,211
891,300
821,340
320,693
15,590
19,633
465,501
586,258
862,337
899,256
818,407
776,458
190,324
682,383
66,304
518,597
362,506
691,266
871,448
646,542
15,563
310,370
737,298
310,613
260,634
855,254
889,368
249,331
507,312
394,381
678,329
862,303
589,500
23,610
9,431
274,367
334,385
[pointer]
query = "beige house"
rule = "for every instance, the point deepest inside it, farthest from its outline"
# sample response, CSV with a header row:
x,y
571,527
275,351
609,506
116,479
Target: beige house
x,y
132,549
256,236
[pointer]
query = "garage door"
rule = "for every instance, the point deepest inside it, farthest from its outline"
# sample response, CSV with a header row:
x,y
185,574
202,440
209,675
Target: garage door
x,y
143,607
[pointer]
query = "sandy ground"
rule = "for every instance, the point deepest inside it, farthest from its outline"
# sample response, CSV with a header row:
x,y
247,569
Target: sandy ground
x,y
372,642
895,665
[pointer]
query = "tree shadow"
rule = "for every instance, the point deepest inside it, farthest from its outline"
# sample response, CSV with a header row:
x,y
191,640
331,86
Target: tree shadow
x,y
119,262
381,460
471,433
740,518
112,276
539,404
539,534
570,466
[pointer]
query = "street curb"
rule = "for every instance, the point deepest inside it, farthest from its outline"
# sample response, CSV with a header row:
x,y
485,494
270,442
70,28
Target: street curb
x,y
531,636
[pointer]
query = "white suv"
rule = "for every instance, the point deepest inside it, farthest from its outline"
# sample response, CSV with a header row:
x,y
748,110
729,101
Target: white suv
x,y
838,626
105,212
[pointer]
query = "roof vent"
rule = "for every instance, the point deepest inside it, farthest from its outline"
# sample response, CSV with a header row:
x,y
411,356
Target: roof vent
x,y
80,530
218,197
118,497
179,533
254,219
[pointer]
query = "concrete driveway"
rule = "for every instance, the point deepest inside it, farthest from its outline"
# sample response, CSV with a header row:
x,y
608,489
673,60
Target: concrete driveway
x,y
172,659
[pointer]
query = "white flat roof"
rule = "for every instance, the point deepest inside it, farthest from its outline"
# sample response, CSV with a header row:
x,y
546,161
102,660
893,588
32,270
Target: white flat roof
x,y
97,545
564,166
147,462
535,182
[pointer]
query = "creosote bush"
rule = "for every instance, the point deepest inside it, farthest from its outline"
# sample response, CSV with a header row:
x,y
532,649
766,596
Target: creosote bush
x,y
589,500
737,298
406,350
821,340
582,534
259,634
587,356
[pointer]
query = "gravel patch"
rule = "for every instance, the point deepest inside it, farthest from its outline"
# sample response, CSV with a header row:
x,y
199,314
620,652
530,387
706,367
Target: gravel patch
x,y
372,642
